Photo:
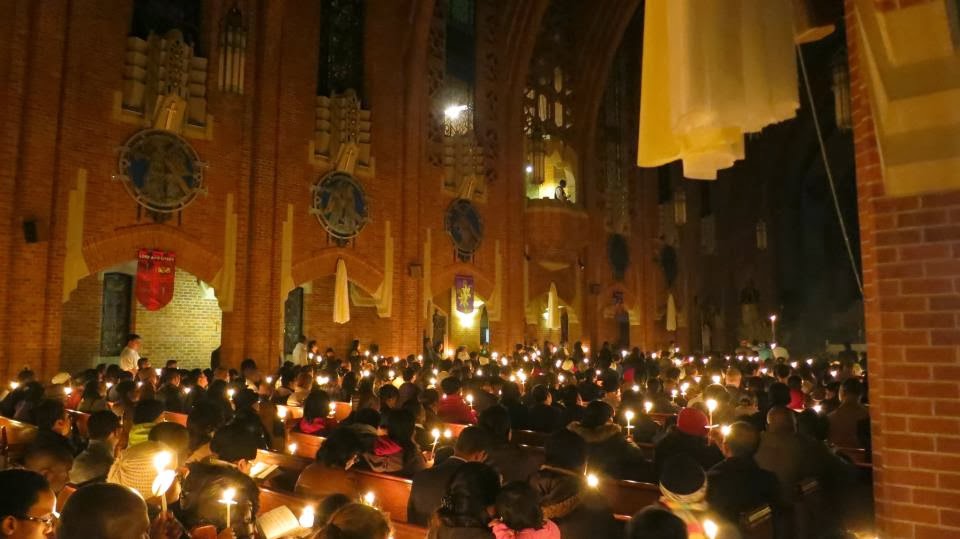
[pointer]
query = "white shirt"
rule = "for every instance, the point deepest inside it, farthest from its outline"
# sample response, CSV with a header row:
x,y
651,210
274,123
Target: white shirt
x,y
128,359
300,354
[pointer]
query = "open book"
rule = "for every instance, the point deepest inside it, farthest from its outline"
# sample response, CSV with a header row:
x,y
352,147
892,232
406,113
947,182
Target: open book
x,y
280,522
261,470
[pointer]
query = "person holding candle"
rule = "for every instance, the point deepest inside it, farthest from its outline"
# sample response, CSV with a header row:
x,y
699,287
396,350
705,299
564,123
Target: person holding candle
x,y
738,484
103,429
452,407
543,416
396,453
467,504
510,460
429,484
316,418
53,425
609,450
688,436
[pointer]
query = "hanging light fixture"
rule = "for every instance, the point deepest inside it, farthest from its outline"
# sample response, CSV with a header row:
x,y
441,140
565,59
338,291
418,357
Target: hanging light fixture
x,y
680,207
762,235
841,91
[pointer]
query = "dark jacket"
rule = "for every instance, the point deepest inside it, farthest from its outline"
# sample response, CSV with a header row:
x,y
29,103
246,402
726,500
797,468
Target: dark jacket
x,y
513,462
577,511
737,485
388,456
428,488
677,442
443,532
609,452
545,418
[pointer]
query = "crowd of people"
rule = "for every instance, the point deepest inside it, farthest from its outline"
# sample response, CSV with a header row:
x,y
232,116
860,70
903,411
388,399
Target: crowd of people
x,y
719,435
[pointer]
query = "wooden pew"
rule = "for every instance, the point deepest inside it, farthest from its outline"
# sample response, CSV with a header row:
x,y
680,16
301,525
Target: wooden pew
x,y
455,429
19,435
392,493
307,444
174,418
628,497
528,437
757,524
289,467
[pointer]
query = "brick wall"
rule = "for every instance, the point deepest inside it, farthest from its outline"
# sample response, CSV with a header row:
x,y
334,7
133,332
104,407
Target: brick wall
x,y
364,323
186,329
911,268
80,326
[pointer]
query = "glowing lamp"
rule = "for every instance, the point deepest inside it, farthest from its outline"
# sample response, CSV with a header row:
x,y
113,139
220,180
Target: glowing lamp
x,y
592,481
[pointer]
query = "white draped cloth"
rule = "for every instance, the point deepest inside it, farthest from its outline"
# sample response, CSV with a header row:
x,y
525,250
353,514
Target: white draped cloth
x,y
341,294
713,70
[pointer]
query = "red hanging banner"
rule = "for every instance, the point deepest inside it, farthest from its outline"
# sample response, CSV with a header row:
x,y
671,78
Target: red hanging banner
x,y
156,271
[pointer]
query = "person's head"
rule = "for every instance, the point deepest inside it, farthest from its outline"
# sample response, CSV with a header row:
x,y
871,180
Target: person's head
x,y
50,414
451,385
401,426
518,505
202,421
780,419
742,441
341,449
147,411
496,421
682,478
596,414
851,390
317,404
389,395
778,394
328,506
173,435
653,522
692,421
91,390
563,183
472,444
566,449
357,521
541,395
133,341
105,511
103,426
733,377
27,505
469,496
782,372
52,461
235,444
143,363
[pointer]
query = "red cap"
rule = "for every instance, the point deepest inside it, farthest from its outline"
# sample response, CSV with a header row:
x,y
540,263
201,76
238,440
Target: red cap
x,y
692,421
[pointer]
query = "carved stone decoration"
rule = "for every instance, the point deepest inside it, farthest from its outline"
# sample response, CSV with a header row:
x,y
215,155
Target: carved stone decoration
x,y
233,46
164,83
342,134
340,205
161,172
463,167
465,226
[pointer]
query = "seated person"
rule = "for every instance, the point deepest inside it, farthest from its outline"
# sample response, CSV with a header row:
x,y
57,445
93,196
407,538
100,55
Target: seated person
x,y
134,467
94,462
204,420
27,505
468,503
145,416
564,496
428,485
512,461
93,399
357,521
518,508
396,453
653,521
389,396
846,419
738,484
543,416
169,392
53,462
53,425
609,451
688,436
107,511
316,411
452,407
683,486
234,450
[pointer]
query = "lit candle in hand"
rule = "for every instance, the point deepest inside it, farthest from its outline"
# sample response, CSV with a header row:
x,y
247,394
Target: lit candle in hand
x,y
164,478
436,440
647,406
629,415
307,517
227,498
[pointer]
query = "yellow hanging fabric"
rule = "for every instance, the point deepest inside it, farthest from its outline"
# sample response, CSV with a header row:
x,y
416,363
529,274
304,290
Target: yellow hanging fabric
x,y
671,313
713,70
341,295
553,301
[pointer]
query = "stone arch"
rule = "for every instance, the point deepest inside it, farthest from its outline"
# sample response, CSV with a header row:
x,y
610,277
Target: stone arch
x,y
443,280
323,263
122,244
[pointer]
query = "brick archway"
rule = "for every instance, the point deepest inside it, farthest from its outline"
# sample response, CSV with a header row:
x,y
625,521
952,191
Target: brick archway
x,y
122,245
323,263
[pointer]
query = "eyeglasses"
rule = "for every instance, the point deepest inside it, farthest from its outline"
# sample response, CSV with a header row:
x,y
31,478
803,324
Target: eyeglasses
x,y
49,522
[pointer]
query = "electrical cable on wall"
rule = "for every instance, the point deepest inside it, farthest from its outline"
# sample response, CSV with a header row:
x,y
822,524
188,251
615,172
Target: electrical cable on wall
x,y
826,166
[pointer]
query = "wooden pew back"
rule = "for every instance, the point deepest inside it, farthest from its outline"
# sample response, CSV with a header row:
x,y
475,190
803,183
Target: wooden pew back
x,y
628,497
392,493
19,435
307,444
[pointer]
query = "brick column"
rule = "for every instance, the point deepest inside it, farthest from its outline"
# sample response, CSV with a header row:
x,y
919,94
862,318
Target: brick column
x,y
911,269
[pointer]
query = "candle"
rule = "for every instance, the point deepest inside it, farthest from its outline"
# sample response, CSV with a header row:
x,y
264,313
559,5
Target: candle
x,y
833,373
647,406
561,378
817,408
231,392
710,528
558,363
366,373
725,430
269,379
494,356
635,388
793,364
479,372
653,355
623,354
448,433
419,357
629,415
164,478
292,448
67,390
307,517
366,353
592,480
436,440
433,382
333,409
15,385
586,349
711,406
369,498
226,498
109,385
470,400
158,371
282,412
809,361
186,391
391,374
715,378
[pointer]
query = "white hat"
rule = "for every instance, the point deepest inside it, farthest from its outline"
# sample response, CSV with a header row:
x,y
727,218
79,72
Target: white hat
x,y
60,378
